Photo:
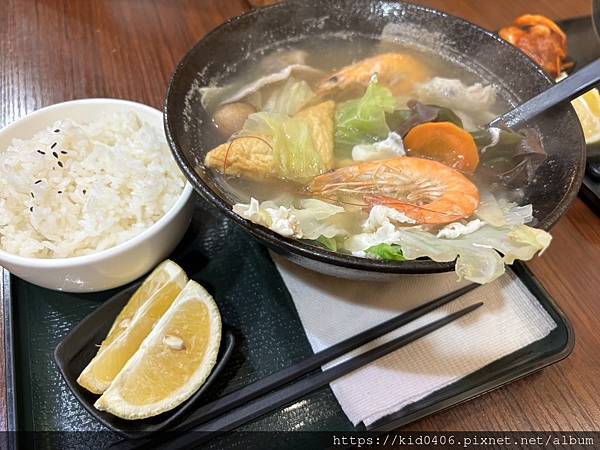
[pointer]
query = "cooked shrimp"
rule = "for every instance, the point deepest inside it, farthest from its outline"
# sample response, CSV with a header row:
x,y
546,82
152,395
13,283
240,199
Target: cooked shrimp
x,y
541,39
426,191
397,71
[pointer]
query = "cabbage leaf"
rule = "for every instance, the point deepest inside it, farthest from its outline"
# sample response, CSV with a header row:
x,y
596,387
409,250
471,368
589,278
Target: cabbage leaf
x,y
363,120
289,98
501,213
480,255
312,219
318,218
294,154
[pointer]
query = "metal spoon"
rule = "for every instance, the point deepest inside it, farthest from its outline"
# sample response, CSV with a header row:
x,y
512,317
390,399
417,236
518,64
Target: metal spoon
x,y
571,87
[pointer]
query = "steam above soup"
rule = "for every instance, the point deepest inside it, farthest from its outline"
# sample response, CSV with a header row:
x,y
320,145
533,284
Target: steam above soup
x,y
382,157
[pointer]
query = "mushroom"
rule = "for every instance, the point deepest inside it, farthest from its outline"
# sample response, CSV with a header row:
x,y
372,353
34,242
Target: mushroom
x,y
230,118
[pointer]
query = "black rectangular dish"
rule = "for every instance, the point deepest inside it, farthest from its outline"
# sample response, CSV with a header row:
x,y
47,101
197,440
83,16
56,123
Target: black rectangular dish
x,y
259,311
78,348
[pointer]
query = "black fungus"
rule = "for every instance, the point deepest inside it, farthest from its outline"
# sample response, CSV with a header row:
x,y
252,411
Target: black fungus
x,y
403,120
513,160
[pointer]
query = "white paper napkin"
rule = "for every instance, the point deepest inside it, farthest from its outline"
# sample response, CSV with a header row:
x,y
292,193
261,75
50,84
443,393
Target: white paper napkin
x,y
333,309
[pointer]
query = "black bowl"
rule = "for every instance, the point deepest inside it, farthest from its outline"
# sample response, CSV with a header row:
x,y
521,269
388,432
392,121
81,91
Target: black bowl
x,y
226,48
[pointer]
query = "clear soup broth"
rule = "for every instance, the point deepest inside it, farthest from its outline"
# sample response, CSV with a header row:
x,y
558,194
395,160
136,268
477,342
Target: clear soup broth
x,y
375,149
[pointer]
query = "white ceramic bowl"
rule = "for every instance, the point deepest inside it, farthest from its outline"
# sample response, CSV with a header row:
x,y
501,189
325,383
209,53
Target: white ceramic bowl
x,y
117,265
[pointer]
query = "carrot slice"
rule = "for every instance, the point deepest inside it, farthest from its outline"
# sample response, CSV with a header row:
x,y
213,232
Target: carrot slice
x,y
443,142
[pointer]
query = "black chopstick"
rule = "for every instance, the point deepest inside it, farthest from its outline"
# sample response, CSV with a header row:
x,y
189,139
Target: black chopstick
x,y
244,395
287,394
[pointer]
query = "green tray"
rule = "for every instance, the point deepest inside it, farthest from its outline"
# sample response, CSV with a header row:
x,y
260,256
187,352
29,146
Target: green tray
x,y
255,302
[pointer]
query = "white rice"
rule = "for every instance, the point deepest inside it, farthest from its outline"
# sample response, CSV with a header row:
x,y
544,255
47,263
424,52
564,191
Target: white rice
x,y
117,179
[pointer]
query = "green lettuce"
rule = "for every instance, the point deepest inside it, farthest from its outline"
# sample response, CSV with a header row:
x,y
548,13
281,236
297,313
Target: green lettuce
x,y
363,120
387,252
294,154
328,243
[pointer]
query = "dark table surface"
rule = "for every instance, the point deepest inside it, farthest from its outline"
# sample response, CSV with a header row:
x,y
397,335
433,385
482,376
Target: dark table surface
x,y
57,50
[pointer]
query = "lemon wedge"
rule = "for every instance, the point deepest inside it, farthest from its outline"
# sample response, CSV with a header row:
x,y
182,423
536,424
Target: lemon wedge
x,y
173,361
132,325
587,107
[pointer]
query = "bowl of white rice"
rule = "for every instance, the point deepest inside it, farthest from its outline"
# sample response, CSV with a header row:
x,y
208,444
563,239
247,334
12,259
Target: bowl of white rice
x,y
90,196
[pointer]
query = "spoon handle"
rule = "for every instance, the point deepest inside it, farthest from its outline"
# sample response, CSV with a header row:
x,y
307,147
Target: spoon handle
x,y
567,89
